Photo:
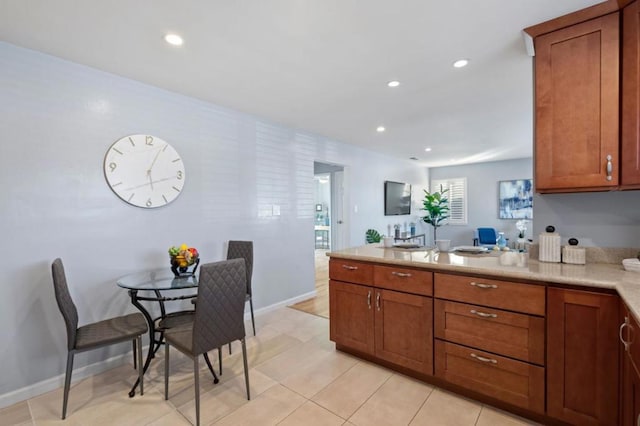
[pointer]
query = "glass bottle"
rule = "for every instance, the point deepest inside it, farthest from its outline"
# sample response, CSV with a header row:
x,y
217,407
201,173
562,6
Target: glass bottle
x,y
501,241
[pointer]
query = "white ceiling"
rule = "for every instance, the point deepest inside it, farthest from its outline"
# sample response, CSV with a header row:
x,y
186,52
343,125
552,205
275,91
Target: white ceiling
x,y
321,65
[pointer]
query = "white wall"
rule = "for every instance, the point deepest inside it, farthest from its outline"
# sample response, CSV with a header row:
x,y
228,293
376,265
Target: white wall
x,y
57,120
482,197
601,219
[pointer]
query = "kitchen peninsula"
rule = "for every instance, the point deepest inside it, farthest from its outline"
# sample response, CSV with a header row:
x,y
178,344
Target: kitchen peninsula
x,y
538,339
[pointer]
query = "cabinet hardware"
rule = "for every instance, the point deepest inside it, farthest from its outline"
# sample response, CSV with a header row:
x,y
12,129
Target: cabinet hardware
x,y
626,343
400,274
483,314
482,285
349,267
369,299
483,359
378,301
609,167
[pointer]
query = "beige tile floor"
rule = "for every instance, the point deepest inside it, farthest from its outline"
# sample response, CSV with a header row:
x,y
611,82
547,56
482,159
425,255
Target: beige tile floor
x,y
297,378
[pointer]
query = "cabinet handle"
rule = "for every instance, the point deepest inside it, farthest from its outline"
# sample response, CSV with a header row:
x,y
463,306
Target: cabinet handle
x,y
400,274
622,326
378,301
483,359
482,285
483,314
609,168
369,299
349,267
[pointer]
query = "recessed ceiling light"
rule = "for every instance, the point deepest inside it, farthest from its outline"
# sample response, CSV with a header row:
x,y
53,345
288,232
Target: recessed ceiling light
x,y
461,63
173,39
380,129
393,83
428,149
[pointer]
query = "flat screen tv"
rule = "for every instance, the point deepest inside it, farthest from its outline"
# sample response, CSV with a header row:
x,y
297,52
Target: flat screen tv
x,y
397,198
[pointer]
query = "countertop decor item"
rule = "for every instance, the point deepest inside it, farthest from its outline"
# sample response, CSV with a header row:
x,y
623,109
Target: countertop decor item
x,y
549,245
184,260
372,236
632,264
573,254
436,206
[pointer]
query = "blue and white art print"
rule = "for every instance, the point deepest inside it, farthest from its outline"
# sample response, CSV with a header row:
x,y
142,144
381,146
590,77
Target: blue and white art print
x,y
515,199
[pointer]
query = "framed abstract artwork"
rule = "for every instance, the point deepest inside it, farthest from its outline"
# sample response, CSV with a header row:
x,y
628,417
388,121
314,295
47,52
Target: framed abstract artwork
x,y
515,199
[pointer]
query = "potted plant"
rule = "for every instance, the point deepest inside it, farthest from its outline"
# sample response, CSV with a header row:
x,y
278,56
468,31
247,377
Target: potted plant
x,y
436,205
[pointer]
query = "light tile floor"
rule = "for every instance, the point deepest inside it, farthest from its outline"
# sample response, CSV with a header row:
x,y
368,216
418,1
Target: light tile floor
x,y
297,378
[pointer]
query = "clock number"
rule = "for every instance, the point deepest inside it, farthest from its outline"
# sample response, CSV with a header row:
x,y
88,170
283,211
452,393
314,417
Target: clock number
x,y
148,203
112,166
149,140
179,174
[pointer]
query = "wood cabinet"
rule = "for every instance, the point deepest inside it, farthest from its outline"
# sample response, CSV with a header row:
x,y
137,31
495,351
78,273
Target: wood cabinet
x,y
576,107
630,375
582,357
630,111
490,337
394,326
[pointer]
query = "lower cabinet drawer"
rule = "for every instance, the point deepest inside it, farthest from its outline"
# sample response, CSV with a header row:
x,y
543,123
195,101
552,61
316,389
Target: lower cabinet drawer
x,y
350,271
506,333
514,382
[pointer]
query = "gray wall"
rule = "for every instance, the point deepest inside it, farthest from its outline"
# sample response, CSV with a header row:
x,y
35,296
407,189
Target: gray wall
x,y
482,196
601,219
57,120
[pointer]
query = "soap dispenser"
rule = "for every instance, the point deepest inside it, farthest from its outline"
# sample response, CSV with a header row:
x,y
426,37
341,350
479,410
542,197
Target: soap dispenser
x,y
549,245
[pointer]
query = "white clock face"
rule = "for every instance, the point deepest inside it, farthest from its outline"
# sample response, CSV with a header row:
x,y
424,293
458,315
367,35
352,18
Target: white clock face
x,y
144,171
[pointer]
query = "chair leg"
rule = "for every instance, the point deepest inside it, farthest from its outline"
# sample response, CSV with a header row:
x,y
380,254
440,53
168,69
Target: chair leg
x,y
253,321
246,368
67,383
229,348
135,358
206,359
138,344
220,359
196,379
166,371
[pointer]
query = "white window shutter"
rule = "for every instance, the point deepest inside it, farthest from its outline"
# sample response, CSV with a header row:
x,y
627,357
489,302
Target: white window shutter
x,y
457,197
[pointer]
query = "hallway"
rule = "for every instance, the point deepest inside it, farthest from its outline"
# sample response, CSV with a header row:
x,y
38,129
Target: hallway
x,y
318,305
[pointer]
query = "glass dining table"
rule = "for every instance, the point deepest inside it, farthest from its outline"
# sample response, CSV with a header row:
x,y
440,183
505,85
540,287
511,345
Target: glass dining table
x,y
157,286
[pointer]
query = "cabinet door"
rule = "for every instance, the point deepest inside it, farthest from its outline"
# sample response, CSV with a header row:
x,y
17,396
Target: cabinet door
x,y
630,131
404,329
351,311
576,103
630,393
582,357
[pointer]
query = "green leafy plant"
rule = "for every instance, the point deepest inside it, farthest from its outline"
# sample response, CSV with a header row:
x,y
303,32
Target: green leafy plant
x,y
436,206
372,236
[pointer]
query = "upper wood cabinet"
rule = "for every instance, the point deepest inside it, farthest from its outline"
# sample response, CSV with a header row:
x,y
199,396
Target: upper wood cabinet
x,y
630,112
576,107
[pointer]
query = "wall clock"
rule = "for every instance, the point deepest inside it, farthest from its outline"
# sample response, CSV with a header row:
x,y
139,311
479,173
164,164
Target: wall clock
x,y
144,170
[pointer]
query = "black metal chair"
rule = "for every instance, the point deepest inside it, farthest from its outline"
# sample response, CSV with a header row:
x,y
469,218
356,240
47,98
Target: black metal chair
x,y
218,320
95,335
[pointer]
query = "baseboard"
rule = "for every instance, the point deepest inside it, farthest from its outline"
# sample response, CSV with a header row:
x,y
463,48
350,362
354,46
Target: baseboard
x,y
81,373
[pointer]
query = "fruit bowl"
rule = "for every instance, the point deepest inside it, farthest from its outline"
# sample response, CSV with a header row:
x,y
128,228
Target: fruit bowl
x,y
184,260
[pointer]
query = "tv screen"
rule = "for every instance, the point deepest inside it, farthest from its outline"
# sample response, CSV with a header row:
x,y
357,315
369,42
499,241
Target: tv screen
x,y
397,198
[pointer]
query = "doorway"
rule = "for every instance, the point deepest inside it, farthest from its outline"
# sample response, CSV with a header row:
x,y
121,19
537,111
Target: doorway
x,y
330,231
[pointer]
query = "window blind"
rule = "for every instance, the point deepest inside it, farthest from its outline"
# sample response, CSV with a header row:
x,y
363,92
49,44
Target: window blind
x,y
457,197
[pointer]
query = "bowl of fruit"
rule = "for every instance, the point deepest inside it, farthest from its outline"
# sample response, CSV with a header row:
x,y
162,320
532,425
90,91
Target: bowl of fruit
x,y
184,260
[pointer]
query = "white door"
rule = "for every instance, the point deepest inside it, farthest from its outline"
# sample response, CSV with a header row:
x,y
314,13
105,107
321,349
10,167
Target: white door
x,y
339,225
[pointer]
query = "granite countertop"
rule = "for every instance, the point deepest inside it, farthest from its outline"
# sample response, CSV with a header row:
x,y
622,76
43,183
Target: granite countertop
x,y
507,265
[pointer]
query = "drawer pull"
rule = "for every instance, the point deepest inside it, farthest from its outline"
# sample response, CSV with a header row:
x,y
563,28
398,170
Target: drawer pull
x,y
349,267
483,359
482,285
369,299
400,274
483,314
